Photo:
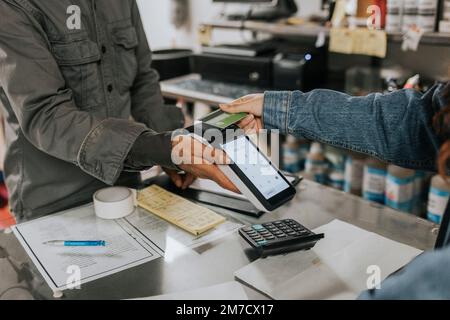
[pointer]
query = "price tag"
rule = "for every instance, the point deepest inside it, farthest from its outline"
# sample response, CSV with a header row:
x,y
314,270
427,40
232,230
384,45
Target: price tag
x,y
411,39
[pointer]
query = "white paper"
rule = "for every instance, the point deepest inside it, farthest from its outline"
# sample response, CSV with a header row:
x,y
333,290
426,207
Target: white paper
x,y
225,291
161,232
336,268
212,187
124,249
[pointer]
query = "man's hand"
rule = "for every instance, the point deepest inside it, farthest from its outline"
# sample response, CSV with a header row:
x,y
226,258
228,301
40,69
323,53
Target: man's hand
x,y
251,104
200,160
182,181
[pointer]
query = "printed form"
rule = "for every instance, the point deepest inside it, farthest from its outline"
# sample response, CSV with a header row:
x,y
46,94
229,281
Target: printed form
x,y
124,249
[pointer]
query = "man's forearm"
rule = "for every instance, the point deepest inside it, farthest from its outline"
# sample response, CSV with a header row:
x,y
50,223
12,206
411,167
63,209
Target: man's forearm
x,y
150,149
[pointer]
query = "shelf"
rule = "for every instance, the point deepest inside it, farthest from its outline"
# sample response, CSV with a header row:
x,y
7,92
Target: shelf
x,y
432,38
311,31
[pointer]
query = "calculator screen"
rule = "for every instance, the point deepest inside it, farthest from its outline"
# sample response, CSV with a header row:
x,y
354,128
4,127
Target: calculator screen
x,y
255,166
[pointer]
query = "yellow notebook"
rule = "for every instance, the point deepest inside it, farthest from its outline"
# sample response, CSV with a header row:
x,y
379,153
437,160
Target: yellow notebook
x,y
177,210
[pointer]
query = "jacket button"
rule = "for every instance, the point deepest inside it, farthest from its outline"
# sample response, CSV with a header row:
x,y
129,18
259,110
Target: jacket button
x,y
110,87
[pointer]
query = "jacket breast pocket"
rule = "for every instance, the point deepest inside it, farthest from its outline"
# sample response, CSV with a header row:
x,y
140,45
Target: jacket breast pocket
x,y
126,65
78,62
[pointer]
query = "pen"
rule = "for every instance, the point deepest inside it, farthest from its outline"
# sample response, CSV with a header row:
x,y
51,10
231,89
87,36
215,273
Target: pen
x,y
72,243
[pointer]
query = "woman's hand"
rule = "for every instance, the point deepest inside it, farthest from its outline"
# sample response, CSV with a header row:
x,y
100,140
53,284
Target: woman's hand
x,y
251,104
200,160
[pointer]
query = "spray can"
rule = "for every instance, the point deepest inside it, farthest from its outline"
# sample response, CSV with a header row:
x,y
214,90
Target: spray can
x,y
419,187
294,154
336,158
437,198
394,15
303,150
444,23
354,167
427,15
336,179
400,188
374,180
410,14
316,164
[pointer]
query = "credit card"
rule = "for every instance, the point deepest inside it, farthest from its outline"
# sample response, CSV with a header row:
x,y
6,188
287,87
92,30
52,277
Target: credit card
x,y
223,120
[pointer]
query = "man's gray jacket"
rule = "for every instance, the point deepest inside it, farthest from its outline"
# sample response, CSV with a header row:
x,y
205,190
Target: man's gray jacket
x,y
77,90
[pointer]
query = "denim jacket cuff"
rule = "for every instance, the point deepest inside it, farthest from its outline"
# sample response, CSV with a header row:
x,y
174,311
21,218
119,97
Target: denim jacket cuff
x,y
275,113
105,148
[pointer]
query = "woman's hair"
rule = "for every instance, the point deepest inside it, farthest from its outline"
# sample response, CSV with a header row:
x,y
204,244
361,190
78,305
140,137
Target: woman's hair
x,y
441,123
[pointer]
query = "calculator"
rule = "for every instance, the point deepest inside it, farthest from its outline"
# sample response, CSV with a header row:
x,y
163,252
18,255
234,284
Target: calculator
x,y
279,237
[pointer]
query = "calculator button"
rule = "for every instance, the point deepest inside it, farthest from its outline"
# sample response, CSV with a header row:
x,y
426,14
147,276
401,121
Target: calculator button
x,y
258,227
247,229
268,225
281,235
252,233
262,242
269,237
292,233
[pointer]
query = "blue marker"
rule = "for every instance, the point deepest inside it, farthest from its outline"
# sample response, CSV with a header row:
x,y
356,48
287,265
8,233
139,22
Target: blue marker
x,y
71,243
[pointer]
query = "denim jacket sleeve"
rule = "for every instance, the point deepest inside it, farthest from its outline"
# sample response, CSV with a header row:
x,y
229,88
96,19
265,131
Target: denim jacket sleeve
x,y
395,127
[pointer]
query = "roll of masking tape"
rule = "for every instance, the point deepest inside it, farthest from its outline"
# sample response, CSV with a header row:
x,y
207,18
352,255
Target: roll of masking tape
x,y
114,203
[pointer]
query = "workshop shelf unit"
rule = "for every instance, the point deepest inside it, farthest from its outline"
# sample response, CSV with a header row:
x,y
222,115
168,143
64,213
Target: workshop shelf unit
x,y
311,31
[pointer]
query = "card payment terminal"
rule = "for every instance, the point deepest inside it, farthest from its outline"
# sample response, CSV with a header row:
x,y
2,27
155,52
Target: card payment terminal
x,y
251,171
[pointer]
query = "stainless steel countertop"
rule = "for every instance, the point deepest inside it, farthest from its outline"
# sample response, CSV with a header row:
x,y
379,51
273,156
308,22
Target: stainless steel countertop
x,y
216,262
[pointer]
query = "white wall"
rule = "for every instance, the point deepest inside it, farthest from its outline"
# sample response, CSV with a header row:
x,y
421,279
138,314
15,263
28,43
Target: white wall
x,y
160,32
156,18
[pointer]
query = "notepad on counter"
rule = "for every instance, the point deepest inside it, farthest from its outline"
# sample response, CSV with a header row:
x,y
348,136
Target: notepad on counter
x,y
338,267
177,210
